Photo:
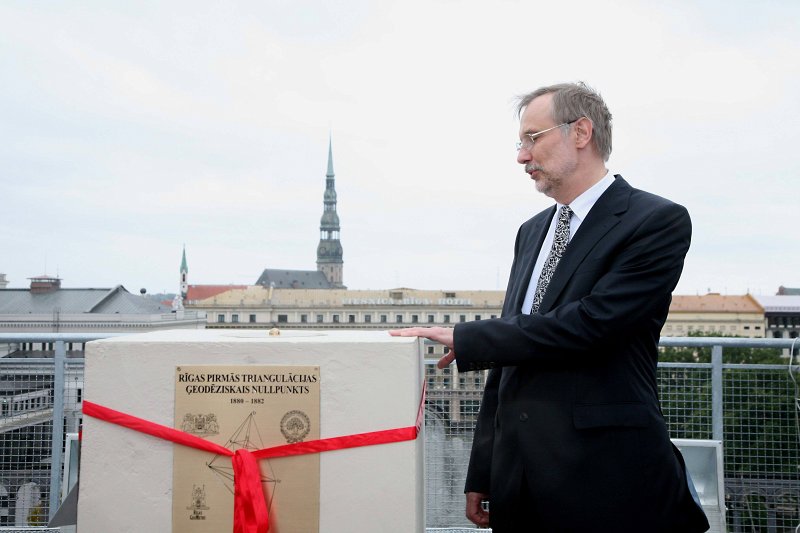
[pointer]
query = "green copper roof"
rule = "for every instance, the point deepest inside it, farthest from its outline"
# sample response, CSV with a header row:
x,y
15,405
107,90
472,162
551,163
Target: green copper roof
x,y
183,261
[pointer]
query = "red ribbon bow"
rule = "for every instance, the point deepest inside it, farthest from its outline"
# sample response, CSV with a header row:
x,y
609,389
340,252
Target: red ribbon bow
x,y
250,513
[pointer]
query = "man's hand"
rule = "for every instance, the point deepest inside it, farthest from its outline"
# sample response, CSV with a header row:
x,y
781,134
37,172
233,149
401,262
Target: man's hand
x,y
440,335
475,512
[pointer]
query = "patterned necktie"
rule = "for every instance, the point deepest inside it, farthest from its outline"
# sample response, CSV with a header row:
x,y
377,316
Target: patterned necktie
x,y
560,241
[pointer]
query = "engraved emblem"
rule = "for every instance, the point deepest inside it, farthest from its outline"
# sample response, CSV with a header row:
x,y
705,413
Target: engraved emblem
x,y
295,425
198,504
200,425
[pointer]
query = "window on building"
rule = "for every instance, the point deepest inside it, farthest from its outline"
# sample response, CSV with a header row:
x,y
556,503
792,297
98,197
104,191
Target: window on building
x,y
477,317
747,327
431,319
368,319
396,295
430,349
414,319
351,319
399,319
384,319
792,334
469,408
252,319
430,376
493,316
304,319
446,319
220,318
449,295
336,319
319,319
282,319
462,318
446,350
234,318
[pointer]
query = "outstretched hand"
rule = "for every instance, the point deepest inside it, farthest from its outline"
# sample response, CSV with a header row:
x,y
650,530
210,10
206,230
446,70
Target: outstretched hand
x,y
440,335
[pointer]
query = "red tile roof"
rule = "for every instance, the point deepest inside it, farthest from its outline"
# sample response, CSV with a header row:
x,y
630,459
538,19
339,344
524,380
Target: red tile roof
x,y
715,303
201,292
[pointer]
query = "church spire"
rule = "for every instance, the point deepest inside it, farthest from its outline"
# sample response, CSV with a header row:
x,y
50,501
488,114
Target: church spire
x,y
184,275
329,250
330,158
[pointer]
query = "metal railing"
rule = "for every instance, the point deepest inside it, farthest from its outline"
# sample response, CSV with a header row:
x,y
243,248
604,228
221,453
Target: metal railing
x,y
752,408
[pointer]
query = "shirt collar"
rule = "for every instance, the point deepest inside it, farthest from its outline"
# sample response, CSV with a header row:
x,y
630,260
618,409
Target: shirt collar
x,y
583,204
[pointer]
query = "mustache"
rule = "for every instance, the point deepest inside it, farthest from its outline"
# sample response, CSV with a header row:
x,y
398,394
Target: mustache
x,y
531,167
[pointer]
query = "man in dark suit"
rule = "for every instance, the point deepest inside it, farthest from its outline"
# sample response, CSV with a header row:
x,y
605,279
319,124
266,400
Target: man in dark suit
x,y
570,435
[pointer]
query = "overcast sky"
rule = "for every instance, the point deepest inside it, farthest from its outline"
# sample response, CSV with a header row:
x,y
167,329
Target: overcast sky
x,y
130,128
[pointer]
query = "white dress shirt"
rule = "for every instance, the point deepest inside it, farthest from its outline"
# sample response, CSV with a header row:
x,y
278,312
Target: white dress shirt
x,y
580,209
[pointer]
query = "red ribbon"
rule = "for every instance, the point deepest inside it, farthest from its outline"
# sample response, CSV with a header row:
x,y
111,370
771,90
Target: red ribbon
x,y
250,513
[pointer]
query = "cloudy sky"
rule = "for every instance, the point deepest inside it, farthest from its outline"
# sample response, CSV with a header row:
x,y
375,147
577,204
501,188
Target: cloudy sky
x,y
128,129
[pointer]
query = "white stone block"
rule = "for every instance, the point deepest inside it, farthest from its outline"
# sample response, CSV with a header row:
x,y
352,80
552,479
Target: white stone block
x,y
369,382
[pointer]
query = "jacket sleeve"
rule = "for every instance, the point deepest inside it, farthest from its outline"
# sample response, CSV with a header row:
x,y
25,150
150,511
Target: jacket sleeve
x,y
634,287
480,460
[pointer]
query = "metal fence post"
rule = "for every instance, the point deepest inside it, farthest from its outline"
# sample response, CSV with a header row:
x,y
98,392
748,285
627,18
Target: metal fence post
x,y
59,361
717,426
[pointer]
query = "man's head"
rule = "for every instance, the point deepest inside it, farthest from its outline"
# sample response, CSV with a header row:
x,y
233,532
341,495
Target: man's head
x,y
565,134
572,101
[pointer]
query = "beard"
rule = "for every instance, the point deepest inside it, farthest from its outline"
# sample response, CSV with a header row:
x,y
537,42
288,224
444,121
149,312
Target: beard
x,y
550,182
545,182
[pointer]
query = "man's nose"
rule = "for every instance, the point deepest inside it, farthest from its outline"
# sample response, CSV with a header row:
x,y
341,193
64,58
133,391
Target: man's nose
x,y
523,156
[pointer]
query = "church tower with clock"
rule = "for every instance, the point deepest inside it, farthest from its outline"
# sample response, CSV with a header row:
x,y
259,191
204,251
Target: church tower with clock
x,y
329,250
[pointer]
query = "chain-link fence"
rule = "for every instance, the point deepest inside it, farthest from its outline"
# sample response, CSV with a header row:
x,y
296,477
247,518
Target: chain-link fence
x,y
752,408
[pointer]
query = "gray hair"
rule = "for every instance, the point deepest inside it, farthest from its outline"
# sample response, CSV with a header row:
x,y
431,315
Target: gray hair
x,y
572,101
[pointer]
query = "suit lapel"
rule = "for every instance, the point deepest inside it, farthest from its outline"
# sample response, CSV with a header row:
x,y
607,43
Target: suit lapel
x,y
529,251
603,216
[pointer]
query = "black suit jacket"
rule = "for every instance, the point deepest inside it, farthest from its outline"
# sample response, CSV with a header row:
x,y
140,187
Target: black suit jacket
x,y
572,397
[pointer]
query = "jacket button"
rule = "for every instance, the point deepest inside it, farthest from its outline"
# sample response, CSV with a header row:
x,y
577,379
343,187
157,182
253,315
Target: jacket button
x,y
523,417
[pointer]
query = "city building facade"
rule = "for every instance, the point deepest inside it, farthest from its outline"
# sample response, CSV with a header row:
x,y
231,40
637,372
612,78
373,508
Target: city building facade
x,y
782,315
713,313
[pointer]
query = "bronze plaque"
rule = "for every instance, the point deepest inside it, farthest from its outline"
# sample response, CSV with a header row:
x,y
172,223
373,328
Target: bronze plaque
x,y
252,407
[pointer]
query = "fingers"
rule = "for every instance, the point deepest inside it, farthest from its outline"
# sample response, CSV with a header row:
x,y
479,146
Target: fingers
x,y
440,335
474,511
408,332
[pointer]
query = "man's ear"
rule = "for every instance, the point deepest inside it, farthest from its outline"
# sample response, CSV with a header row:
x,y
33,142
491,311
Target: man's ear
x,y
583,128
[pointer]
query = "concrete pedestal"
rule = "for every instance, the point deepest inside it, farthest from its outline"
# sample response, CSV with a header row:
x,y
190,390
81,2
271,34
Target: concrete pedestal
x,y
369,382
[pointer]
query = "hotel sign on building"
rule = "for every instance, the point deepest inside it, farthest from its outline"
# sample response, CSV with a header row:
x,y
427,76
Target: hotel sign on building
x,y
407,301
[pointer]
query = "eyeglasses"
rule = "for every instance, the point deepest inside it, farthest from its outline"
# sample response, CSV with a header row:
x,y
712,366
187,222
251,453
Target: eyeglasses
x,y
530,138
